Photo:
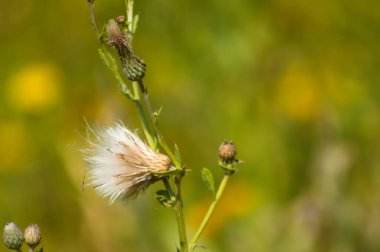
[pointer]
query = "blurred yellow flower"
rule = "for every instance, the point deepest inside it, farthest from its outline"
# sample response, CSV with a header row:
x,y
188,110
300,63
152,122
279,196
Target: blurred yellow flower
x,y
34,88
298,94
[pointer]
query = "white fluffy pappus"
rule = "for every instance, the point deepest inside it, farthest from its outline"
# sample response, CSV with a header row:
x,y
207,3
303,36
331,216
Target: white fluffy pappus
x,y
120,164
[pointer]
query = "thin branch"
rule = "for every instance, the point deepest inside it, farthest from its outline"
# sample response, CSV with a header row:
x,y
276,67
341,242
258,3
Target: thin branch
x,y
92,17
210,211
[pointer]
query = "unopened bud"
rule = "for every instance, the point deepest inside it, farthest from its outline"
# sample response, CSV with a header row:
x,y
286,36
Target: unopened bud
x,y
13,238
120,19
227,152
114,34
134,68
32,235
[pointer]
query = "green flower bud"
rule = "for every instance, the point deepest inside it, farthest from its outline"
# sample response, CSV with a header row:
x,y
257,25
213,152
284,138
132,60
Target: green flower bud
x,y
32,235
134,67
120,19
13,238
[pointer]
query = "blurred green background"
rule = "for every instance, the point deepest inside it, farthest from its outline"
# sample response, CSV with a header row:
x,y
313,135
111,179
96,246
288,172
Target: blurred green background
x,y
294,83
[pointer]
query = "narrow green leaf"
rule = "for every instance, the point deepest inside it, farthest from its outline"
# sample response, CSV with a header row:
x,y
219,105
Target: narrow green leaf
x,y
112,61
169,152
108,59
135,22
177,154
208,178
103,57
156,114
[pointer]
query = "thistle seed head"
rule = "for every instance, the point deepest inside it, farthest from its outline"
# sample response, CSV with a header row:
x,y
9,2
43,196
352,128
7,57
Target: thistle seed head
x,y
121,165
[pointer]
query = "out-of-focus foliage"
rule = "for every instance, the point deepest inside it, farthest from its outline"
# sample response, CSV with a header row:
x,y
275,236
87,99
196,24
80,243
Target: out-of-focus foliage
x,y
294,83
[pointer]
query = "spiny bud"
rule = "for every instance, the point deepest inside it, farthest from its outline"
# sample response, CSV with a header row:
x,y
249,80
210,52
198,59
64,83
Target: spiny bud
x,y
32,235
114,34
134,67
12,235
227,151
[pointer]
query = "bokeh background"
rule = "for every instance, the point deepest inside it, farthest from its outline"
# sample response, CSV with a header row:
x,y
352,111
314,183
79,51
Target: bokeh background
x,y
294,83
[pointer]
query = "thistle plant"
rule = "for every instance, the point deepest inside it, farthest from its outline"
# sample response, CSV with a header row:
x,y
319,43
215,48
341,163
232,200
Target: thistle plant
x,y
120,164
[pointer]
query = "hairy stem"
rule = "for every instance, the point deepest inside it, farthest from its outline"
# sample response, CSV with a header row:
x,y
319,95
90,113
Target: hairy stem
x,y
210,211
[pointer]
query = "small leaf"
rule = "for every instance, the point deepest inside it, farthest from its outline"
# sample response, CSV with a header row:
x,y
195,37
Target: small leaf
x,y
135,22
103,57
108,59
102,35
208,178
111,60
156,114
177,154
166,148
163,198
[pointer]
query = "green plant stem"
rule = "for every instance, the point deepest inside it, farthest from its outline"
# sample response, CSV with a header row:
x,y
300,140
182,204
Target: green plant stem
x,y
152,135
92,17
129,5
210,211
150,130
108,57
156,133
144,91
169,189
180,217
143,117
